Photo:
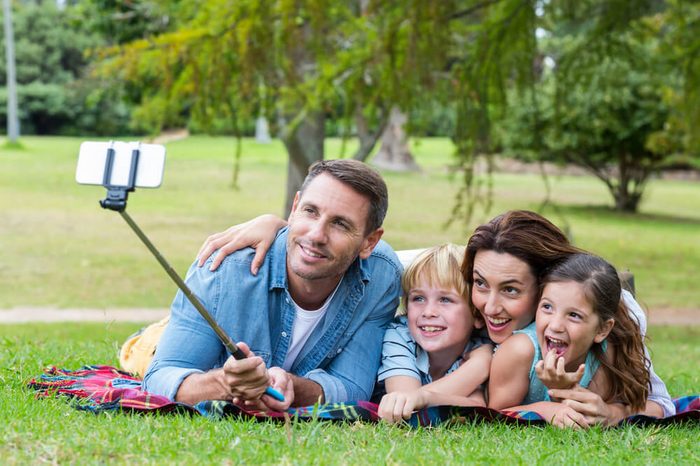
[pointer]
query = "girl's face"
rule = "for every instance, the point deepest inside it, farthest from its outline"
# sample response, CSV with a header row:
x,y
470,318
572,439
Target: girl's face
x,y
505,293
439,319
568,324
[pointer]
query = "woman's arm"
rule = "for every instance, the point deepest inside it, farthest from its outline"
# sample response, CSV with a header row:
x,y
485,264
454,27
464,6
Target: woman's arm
x,y
557,414
258,233
510,372
468,377
659,403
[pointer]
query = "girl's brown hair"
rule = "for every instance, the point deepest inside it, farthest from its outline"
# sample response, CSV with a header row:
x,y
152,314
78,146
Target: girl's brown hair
x,y
628,371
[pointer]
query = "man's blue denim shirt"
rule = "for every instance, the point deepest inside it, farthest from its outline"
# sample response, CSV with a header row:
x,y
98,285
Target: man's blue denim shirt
x,y
343,353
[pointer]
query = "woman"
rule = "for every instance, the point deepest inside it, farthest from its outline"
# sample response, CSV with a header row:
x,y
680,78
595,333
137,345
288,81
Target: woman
x,y
505,261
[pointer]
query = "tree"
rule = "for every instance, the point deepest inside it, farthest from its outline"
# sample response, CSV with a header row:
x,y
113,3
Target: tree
x,y
56,96
364,57
309,55
12,119
600,111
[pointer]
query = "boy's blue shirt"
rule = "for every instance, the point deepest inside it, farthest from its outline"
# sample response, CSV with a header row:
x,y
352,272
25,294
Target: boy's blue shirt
x,y
342,354
403,356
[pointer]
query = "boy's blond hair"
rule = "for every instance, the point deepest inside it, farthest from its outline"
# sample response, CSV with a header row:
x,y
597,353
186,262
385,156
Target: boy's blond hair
x,y
439,266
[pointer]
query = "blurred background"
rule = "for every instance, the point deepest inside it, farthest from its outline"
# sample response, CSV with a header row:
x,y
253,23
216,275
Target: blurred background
x,y
586,111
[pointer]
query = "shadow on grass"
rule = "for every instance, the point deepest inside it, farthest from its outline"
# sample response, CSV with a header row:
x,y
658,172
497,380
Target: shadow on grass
x,y
607,212
17,145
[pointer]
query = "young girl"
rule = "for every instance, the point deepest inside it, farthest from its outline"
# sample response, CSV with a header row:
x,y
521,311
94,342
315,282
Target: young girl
x,y
431,338
581,326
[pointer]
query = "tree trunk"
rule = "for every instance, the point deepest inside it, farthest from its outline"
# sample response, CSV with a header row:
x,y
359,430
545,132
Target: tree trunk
x,y
625,201
368,139
394,153
304,145
630,185
262,130
12,115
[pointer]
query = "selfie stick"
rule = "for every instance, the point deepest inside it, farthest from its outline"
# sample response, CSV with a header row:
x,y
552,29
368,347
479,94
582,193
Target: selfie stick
x,y
116,200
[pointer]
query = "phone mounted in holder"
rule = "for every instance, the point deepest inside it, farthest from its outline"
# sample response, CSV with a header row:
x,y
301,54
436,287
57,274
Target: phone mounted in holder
x,y
118,195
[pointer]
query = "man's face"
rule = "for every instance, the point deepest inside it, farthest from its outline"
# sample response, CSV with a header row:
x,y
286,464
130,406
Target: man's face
x,y
327,230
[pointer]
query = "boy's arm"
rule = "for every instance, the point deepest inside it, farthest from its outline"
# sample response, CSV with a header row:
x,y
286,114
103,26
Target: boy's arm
x,y
510,372
468,377
403,396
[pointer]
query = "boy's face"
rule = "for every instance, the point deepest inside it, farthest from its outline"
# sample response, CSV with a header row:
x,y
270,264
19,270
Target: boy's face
x,y
439,320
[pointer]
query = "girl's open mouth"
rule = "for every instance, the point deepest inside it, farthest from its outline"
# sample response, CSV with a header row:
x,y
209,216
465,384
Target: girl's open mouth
x,y
557,345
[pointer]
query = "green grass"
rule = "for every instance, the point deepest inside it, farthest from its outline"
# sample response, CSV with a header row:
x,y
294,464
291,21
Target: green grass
x,y
59,248
49,431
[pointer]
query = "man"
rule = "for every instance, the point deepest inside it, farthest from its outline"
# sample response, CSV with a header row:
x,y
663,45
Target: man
x,y
312,319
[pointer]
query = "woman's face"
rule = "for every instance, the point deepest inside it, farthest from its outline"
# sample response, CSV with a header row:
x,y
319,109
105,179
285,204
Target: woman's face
x,y
505,292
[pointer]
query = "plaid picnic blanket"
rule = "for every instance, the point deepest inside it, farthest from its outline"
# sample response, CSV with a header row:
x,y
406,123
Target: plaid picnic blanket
x,y
104,388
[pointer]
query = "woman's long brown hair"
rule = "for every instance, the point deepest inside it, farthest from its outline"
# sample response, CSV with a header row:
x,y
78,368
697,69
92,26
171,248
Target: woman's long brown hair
x,y
526,235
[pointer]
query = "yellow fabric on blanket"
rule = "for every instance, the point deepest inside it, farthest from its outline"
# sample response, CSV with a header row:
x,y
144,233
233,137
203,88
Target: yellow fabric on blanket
x,y
137,351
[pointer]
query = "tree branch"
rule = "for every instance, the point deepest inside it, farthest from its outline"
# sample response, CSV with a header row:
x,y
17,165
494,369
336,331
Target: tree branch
x,y
471,10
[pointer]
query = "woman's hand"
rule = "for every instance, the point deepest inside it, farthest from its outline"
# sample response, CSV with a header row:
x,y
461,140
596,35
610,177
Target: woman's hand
x,y
552,373
258,233
589,404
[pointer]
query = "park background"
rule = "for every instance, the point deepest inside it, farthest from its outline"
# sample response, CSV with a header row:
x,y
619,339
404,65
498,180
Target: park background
x,y
585,111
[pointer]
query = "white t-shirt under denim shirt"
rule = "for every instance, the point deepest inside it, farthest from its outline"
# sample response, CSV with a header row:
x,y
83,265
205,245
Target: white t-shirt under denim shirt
x,y
304,324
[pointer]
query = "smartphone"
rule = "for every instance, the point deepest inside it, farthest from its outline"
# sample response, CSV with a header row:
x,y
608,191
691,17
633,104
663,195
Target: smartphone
x,y
93,156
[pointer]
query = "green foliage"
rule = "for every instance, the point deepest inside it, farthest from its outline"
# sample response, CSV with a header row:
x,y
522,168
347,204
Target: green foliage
x,y
603,110
54,97
121,21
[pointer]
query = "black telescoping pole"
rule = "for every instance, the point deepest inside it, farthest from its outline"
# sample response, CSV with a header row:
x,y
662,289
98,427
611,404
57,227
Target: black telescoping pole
x,y
225,339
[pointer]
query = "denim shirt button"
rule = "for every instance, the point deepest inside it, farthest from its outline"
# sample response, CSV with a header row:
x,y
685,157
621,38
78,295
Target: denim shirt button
x,y
339,350
284,334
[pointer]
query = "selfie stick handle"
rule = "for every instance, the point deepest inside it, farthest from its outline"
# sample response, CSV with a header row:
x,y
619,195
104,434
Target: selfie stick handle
x,y
116,200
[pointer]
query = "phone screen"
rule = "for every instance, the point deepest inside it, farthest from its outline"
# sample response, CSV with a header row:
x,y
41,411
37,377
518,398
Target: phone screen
x,y
93,155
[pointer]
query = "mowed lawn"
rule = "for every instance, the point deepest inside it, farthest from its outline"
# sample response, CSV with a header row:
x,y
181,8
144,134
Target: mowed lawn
x,y
49,431
59,248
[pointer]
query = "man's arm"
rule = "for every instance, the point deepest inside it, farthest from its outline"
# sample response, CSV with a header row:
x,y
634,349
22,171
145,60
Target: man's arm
x,y
238,380
189,347
306,391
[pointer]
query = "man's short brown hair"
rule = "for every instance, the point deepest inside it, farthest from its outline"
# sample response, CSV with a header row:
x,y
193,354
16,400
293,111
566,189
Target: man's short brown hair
x,y
362,179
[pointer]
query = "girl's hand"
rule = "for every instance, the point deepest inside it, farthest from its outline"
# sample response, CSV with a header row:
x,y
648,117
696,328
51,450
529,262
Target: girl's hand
x,y
397,406
258,233
590,405
552,373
